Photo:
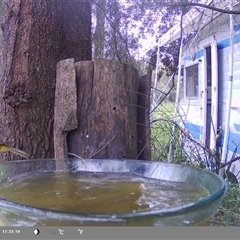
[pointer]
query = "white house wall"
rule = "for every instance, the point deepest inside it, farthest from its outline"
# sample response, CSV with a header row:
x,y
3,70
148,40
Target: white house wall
x,y
191,109
223,54
191,121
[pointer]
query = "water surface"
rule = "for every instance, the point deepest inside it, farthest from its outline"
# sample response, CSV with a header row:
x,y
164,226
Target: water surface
x,y
98,193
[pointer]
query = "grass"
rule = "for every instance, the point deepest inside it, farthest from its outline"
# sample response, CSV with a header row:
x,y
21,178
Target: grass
x,y
228,213
161,130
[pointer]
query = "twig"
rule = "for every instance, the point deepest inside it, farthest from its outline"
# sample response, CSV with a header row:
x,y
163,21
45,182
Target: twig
x,y
209,151
99,150
194,4
75,155
165,95
229,162
141,151
187,135
101,143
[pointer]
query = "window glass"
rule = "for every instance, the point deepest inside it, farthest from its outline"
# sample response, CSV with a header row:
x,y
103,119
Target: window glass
x,y
191,85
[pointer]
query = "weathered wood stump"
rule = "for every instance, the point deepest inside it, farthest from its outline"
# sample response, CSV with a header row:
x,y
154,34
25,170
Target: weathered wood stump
x,y
143,117
65,109
110,122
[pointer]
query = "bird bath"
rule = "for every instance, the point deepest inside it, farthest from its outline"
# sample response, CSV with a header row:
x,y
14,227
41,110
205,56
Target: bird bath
x,y
94,192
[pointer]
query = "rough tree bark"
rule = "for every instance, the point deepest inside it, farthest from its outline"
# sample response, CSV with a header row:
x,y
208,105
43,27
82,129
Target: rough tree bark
x,y
36,35
107,95
99,35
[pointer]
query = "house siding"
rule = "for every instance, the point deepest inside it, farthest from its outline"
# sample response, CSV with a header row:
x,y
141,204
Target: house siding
x,y
191,110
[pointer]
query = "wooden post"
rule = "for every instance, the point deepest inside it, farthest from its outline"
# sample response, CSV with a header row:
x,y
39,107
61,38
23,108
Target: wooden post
x,y
65,110
107,111
143,126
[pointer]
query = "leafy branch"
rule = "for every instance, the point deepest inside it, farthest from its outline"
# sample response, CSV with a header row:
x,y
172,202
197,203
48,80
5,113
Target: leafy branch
x,y
211,7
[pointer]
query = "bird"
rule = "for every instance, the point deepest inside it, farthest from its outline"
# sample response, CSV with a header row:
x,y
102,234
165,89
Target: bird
x,y
5,148
4,145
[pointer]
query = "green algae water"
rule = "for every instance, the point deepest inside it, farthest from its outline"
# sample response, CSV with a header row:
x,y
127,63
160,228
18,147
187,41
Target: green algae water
x,y
99,193
91,193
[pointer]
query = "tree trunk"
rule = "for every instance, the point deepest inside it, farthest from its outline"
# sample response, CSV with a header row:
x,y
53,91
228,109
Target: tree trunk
x,y
99,35
36,35
107,111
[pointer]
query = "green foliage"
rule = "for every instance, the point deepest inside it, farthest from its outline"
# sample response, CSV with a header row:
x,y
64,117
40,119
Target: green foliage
x,y
112,35
120,26
161,129
229,212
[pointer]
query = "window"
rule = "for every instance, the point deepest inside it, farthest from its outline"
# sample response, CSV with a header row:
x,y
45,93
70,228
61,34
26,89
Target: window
x,y
191,83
